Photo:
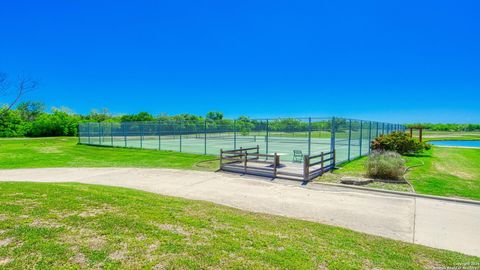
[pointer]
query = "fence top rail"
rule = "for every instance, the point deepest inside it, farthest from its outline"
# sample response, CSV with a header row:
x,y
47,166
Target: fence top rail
x,y
260,155
322,154
228,122
239,150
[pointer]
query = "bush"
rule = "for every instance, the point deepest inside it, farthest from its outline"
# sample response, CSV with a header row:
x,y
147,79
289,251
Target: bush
x,y
57,123
399,142
385,165
12,125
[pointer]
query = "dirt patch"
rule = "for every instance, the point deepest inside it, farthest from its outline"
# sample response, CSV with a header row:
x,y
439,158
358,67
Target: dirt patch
x,y
141,237
96,243
428,263
160,266
85,237
3,217
39,223
97,211
174,229
5,261
79,258
5,242
118,255
48,150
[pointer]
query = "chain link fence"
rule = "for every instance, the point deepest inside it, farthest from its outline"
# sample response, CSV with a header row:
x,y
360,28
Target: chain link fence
x,y
348,137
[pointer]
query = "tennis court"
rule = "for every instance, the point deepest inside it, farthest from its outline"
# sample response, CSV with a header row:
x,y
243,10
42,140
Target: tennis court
x,y
349,138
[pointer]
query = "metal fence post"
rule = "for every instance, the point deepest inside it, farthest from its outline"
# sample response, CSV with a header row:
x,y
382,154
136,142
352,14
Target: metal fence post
x,y
309,135
369,136
124,134
141,135
99,134
361,136
88,131
234,134
180,136
205,136
349,137
79,133
111,132
159,131
332,135
383,128
266,140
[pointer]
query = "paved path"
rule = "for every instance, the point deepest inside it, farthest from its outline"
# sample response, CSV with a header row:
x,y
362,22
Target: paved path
x,y
430,222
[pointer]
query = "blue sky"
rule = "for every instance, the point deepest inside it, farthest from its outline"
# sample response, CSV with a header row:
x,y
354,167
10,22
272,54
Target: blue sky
x,y
400,61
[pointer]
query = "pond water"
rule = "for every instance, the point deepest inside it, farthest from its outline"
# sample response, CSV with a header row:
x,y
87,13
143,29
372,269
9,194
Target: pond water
x,y
456,143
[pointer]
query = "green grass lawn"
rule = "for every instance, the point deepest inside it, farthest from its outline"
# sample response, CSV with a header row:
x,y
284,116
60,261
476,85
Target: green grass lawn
x,y
64,152
72,226
452,172
449,135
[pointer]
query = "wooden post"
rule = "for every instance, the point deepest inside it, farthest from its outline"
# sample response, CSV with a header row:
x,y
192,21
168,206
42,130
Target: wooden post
x,y
411,132
275,163
221,156
245,162
420,134
306,167
334,159
321,164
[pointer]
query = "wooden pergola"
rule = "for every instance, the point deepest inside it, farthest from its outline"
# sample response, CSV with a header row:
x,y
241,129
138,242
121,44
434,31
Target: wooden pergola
x,y
420,131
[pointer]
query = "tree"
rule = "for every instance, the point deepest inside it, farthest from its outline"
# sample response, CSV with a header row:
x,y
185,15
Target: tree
x,y
215,116
244,125
141,116
11,125
57,123
99,116
30,110
17,89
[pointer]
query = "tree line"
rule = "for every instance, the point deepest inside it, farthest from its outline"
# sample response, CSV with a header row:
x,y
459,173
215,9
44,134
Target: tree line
x,y
447,127
30,119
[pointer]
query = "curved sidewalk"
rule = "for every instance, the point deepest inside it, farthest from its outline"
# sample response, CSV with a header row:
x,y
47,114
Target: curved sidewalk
x,y
430,222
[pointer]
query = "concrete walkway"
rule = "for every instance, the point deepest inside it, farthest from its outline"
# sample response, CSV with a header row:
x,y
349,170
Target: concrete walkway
x,y
430,222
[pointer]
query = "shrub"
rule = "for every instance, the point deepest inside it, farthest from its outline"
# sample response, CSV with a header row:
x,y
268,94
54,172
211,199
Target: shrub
x,y
385,165
57,123
12,125
399,142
